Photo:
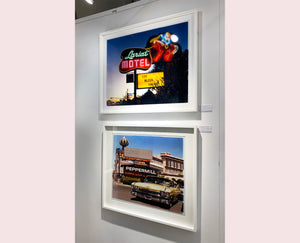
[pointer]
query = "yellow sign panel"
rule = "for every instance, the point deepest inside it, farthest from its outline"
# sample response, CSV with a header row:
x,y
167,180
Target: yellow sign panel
x,y
149,80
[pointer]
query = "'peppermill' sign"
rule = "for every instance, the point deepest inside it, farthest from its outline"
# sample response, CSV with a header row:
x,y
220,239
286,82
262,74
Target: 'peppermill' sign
x,y
135,58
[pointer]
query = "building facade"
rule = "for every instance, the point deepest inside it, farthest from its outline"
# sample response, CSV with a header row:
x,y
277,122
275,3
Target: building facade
x,y
138,163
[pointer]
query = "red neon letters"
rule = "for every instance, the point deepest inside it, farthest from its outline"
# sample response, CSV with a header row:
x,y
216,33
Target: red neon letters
x,y
135,58
128,65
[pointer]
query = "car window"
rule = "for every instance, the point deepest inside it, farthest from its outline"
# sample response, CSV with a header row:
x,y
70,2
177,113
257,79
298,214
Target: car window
x,y
158,180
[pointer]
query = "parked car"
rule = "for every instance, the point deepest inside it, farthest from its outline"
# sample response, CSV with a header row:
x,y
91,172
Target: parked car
x,y
157,189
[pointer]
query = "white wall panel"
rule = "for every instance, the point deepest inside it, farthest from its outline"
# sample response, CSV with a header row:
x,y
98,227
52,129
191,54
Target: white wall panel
x,y
96,225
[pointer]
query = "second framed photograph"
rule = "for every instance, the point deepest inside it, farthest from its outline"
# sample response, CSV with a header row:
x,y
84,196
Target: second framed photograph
x,y
151,173
151,66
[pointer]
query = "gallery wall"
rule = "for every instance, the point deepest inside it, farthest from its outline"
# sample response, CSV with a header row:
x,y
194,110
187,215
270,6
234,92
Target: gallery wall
x,y
37,128
94,224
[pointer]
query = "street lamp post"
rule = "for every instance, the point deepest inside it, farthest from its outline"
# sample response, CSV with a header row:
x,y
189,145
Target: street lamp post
x,y
124,143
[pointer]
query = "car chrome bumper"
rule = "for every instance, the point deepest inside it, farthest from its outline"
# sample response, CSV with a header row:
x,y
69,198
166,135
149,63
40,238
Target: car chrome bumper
x,y
152,198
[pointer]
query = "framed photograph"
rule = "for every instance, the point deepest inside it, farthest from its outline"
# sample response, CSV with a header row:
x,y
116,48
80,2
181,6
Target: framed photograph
x,y
151,66
150,172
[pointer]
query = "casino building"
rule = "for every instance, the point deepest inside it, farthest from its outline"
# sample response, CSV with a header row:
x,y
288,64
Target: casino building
x,y
138,163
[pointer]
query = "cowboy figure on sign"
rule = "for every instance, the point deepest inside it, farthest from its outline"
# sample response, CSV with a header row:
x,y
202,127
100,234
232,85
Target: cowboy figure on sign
x,y
163,46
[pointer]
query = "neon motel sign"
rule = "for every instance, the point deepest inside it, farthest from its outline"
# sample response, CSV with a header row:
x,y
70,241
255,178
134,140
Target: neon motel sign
x,y
135,58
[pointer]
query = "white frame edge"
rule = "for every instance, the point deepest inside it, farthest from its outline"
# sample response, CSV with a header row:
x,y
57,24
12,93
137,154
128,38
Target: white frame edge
x,y
193,18
188,221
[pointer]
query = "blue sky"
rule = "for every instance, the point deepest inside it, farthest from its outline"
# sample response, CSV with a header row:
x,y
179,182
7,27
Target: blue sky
x,y
116,82
172,145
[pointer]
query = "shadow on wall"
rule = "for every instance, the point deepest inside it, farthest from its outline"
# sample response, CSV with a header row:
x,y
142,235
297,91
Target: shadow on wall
x,y
150,228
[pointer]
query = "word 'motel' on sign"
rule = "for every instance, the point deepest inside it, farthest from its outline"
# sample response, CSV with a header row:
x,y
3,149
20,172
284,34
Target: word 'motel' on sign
x,y
135,58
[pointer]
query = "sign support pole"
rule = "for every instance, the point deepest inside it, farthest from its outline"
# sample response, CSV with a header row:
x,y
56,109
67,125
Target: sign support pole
x,y
135,85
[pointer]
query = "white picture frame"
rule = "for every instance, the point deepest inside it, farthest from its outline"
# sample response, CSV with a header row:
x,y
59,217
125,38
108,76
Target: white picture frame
x,y
189,134
114,92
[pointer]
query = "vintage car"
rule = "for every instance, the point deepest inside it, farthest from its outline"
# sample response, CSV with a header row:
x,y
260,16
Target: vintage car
x,y
157,189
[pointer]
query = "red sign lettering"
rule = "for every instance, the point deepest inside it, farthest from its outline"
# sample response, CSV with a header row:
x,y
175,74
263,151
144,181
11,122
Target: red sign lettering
x,y
135,58
128,65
